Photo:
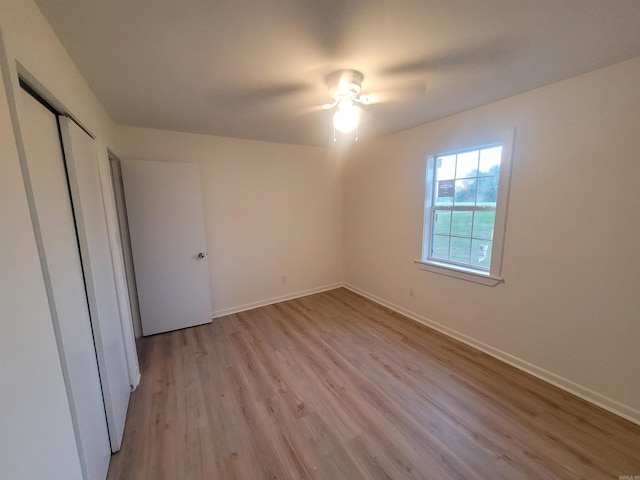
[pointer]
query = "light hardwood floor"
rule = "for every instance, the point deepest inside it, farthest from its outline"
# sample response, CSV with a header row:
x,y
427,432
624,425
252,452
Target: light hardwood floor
x,y
334,386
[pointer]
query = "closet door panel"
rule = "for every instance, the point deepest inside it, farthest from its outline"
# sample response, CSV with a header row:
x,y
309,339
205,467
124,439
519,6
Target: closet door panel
x,y
80,152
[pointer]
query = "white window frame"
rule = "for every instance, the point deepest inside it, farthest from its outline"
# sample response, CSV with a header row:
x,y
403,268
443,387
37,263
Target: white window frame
x,y
493,276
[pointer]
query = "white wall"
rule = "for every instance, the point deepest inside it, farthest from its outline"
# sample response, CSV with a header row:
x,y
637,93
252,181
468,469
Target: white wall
x,y
569,309
270,210
33,44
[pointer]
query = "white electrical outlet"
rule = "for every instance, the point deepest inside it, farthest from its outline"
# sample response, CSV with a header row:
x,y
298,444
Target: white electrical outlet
x,y
411,292
283,279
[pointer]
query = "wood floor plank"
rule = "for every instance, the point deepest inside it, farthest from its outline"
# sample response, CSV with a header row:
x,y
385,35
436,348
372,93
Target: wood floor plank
x,y
334,386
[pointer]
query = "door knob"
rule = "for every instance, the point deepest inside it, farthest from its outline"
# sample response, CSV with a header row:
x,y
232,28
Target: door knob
x,y
201,255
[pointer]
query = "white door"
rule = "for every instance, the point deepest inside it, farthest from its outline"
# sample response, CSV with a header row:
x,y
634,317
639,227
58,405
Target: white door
x,y
166,224
54,224
81,155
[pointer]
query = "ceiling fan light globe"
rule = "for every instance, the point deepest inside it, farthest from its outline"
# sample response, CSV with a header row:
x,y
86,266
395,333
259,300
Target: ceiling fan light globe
x,y
346,118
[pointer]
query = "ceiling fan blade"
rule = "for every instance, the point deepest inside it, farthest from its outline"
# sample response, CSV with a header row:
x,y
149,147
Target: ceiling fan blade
x,y
313,109
309,110
327,22
400,92
250,97
489,53
329,106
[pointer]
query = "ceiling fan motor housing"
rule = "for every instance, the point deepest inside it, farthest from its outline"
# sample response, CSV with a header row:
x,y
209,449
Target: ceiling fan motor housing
x,y
344,84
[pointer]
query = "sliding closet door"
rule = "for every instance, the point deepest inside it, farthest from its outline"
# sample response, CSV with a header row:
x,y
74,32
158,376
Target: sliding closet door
x,y
80,152
64,280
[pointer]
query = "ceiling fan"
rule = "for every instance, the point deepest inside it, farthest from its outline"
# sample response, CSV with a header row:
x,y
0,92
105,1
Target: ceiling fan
x,y
329,26
345,87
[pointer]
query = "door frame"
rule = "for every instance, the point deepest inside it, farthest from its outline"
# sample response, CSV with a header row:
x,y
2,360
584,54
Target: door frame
x,y
125,240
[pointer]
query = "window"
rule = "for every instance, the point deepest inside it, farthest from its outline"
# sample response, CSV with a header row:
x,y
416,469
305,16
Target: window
x,y
465,211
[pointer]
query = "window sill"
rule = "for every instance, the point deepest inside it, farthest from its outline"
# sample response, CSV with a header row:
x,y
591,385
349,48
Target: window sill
x,y
459,272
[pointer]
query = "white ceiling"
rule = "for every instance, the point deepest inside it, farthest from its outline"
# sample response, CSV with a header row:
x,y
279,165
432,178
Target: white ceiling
x,y
255,69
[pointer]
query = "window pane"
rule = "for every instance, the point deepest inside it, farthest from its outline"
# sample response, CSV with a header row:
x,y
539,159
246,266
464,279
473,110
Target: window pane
x,y
467,164
490,161
460,249
465,192
446,167
481,253
487,191
483,225
461,224
442,223
440,247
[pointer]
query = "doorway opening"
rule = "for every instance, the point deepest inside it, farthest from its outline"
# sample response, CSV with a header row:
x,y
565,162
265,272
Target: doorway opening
x,y
125,240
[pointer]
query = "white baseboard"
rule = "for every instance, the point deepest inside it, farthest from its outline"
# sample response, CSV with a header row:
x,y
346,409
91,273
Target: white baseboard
x,y
271,301
587,394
